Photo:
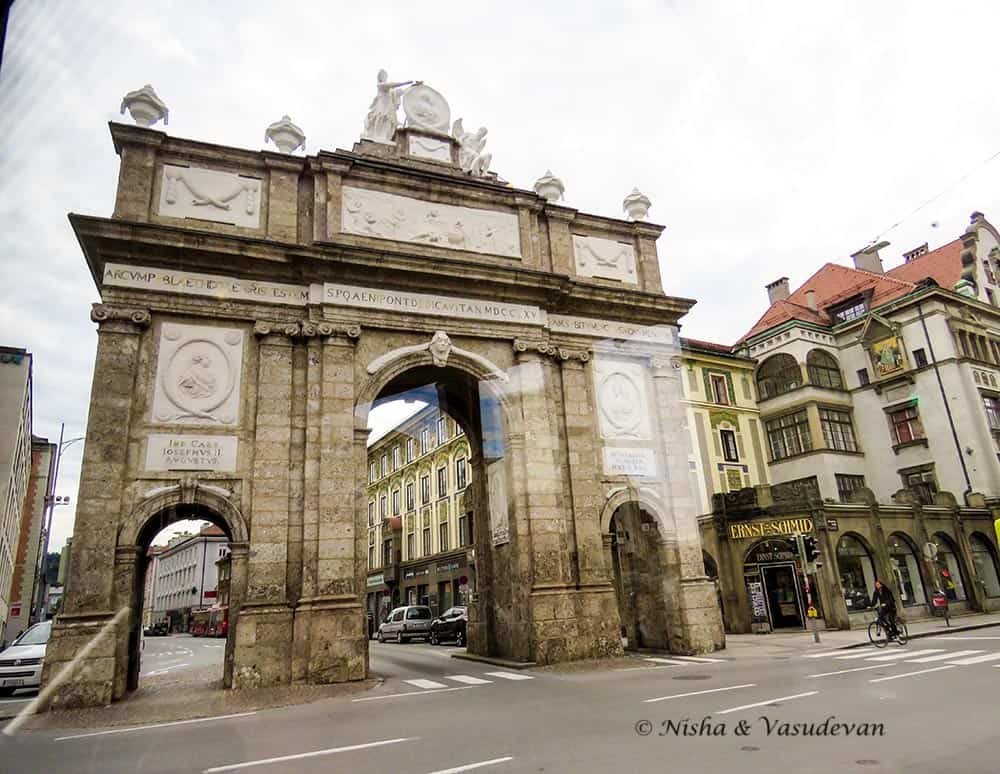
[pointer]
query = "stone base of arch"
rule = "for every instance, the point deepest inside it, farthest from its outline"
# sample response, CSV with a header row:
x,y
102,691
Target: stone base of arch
x,y
694,620
330,641
81,655
574,623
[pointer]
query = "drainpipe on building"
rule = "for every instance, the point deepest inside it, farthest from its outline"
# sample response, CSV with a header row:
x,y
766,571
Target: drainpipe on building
x,y
947,408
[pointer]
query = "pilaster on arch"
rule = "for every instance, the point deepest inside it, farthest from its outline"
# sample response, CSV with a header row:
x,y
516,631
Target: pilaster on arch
x,y
188,492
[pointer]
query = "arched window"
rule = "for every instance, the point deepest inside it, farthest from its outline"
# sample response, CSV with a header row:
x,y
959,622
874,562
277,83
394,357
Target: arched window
x,y
857,572
823,370
949,569
777,375
985,560
906,568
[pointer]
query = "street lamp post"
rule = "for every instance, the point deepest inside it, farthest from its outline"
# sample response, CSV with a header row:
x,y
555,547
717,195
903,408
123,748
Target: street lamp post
x,y
51,501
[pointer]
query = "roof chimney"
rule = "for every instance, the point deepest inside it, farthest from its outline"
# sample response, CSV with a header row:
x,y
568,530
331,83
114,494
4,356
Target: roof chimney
x,y
778,290
916,252
811,299
868,258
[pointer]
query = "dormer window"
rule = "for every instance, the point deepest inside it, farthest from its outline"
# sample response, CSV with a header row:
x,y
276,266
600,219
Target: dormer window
x,y
851,309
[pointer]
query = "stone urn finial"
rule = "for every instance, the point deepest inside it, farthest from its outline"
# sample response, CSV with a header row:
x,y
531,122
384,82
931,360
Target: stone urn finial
x,y
549,187
286,135
636,205
145,107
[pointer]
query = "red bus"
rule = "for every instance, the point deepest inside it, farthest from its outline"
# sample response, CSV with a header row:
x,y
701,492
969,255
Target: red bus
x,y
218,621
199,623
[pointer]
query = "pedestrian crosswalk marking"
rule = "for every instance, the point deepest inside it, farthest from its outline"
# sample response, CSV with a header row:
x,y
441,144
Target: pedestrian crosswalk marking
x,y
509,676
425,684
976,659
670,661
702,659
899,655
942,656
866,653
468,679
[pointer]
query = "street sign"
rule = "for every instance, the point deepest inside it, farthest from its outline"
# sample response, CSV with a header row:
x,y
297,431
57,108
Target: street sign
x,y
930,550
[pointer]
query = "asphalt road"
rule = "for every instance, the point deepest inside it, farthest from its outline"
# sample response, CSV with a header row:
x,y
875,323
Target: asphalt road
x,y
181,656
935,700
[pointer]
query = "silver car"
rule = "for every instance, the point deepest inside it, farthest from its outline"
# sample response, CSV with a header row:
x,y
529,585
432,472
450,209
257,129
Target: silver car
x,y
21,663
405,623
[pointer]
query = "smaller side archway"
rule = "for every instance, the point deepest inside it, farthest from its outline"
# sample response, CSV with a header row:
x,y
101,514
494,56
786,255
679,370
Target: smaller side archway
x,y
950,568
905,564
984,557
856,567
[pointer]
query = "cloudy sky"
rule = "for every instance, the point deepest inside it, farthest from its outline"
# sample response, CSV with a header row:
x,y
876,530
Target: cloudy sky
x,y
771,137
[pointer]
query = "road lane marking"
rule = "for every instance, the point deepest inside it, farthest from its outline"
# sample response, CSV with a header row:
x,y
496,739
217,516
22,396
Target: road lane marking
x,y
701,660
313,754
510,676
471,766
154,725
670,661
847,671
956,637
699,693
414,693
425,683
942,657
976,659
829,653
866,653
912,674
765,703
899,655
468,679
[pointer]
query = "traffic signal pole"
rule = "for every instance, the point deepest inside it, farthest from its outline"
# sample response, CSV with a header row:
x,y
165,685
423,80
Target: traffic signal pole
x,y
807,567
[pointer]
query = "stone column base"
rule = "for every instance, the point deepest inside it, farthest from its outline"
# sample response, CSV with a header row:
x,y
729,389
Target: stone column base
x,y
262,654
331,641
570,623
80,661
695,623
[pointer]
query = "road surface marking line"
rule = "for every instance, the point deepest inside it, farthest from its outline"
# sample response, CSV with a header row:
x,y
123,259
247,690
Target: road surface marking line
x,y
847,671
956,637
765,703
154,725
828,653
866,653
701,660
651,666
471,766
425,683
510,676
670,661
414,693
942,657
976,659
912,674
313,754
899,655
698,693
468,679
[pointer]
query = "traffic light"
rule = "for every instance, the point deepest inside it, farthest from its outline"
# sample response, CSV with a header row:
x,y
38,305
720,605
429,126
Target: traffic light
x,y
812,550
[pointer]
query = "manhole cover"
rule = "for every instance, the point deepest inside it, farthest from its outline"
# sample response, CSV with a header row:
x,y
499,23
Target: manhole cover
x,y
867,762
693,677
749,748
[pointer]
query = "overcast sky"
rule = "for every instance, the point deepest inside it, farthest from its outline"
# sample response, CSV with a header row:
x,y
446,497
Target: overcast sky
x,y
771,137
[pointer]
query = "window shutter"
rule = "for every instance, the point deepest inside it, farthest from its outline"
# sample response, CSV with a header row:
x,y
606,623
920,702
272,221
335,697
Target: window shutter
x,y
692,379
732,390
708,385
717,441
746,389
739,446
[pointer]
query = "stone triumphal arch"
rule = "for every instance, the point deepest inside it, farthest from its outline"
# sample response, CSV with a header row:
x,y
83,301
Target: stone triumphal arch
x,y
255,306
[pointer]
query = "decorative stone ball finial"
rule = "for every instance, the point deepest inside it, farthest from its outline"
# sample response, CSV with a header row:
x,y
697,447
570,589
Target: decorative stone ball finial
x,y
145,107
636,205
549,187
286,135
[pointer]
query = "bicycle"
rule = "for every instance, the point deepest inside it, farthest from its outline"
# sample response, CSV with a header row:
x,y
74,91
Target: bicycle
x,y
880,638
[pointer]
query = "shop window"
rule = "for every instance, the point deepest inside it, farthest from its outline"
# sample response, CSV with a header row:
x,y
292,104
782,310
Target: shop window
x,y
923,482
906,569
823,370
730,451
847,485
788,435
919,358
857,572
838,432
985,560
777,375
906,425
949,569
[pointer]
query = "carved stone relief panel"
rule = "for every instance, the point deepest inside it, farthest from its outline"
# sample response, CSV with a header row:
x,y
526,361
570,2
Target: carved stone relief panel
x,y
423,147
622,400
405,219
604,258
208,194
198,375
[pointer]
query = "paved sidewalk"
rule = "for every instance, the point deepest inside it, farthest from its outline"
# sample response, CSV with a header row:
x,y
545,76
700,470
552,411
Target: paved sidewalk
x,y
788,643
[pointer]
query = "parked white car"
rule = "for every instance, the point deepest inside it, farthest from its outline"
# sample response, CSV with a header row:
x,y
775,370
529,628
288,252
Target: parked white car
x,y
21,663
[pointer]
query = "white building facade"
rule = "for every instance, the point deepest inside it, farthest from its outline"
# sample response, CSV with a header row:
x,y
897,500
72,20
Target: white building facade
x,y
186,576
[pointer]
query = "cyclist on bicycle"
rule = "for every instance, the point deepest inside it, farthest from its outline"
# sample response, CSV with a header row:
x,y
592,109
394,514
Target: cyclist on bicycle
x,y
885,607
